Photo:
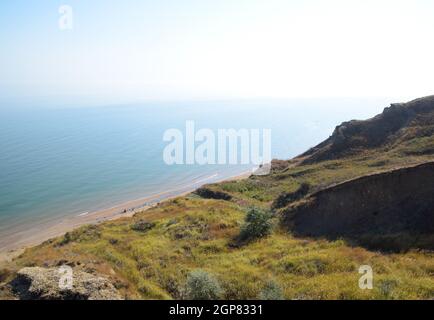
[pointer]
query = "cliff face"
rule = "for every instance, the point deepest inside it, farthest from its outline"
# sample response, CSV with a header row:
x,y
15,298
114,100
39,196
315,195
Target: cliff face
x,y
397,201
399,122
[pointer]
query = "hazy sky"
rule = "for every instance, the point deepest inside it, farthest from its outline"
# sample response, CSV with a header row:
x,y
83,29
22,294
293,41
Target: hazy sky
x,y
172,49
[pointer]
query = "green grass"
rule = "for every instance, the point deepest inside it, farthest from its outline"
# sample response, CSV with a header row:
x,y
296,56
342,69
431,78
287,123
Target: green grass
x,y
191,233
195,234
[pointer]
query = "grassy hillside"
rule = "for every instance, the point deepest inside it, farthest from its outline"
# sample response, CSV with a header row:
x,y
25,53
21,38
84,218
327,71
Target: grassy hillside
x,y
191,233
399,123
151,255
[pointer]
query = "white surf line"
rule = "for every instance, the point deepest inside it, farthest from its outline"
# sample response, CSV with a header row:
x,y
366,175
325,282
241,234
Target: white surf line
x,y
206,179
83,214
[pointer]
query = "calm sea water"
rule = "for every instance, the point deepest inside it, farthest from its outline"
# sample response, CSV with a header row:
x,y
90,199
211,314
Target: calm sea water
x,y
59,162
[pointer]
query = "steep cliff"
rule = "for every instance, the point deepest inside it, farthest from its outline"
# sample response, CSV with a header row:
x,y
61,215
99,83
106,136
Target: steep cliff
x,y
395,202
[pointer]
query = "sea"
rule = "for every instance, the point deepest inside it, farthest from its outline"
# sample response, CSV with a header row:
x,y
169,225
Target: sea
x,y
61,160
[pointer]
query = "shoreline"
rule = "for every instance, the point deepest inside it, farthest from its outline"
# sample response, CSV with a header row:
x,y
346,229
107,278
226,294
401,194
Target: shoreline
x,y
122,210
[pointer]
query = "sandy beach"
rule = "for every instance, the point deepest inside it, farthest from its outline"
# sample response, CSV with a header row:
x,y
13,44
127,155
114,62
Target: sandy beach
x,y
15,245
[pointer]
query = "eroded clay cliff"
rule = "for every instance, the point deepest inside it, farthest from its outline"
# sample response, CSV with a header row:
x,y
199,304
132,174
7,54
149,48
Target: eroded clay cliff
x,y
396,202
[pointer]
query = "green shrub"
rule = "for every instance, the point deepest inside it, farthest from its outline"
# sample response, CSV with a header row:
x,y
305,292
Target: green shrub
x,y
142,226
257,225
271,291
202,286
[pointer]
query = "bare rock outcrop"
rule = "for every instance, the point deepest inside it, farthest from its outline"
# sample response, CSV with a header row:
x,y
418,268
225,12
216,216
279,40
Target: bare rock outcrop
x,y
46,284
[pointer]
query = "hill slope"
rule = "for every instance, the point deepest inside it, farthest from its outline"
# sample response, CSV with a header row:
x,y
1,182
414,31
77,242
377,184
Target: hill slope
x,y
399,122
152,254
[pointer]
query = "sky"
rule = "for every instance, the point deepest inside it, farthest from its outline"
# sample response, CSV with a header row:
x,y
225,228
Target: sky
x,y
135,50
